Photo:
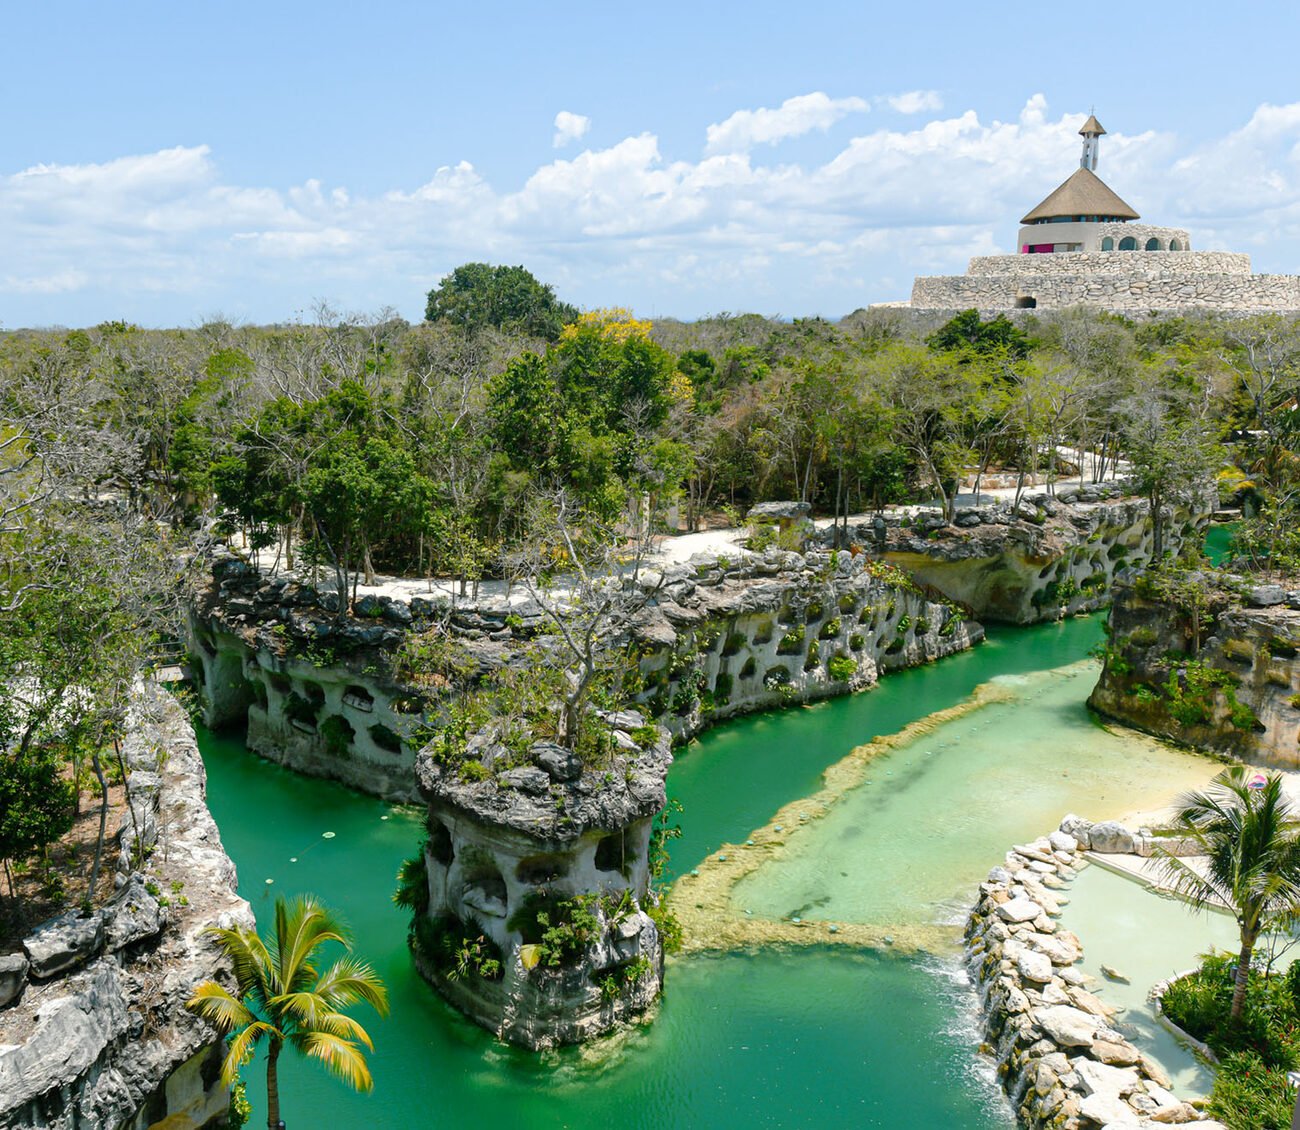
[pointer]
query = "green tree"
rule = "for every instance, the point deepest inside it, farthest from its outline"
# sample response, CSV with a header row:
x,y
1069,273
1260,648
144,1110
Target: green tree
x,y
1252,859
283,998
476,295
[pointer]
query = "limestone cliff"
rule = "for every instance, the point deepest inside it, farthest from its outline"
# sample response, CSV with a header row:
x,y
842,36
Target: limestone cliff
x,y
1208,659
1050,557
94,1034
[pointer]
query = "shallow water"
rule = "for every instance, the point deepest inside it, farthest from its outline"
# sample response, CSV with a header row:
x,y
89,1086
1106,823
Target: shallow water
x,y
1148,938
911,841
730,780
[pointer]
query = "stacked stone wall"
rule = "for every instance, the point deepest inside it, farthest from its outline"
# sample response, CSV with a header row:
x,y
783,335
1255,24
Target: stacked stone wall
x,y
1123,281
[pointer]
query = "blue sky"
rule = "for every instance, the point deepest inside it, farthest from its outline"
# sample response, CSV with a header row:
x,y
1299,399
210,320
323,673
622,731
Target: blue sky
x,y
166,162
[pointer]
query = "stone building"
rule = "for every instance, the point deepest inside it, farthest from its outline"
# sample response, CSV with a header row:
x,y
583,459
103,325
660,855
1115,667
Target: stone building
x,y
1082,246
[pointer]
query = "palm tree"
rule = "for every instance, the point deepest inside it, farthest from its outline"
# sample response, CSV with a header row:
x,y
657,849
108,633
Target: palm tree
x,y
1252,858
283,998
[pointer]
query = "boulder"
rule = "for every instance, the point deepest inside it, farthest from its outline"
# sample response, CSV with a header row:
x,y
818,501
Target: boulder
x,y
1265,596
1063,841
1103,1079
1079,829
1034,966
527,779
133,915
63,943
560,764
1115,1055
1109,1111
1111,838
1019,910
13,976
1069,1027
775,511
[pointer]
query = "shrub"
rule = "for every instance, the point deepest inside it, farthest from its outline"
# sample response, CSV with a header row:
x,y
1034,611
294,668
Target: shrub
x,y
791,642
831,629
813,657
1249,1094
841,668
722,688
1142,637
857,642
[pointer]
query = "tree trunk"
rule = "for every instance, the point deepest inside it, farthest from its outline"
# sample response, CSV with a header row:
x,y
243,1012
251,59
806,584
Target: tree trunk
x,y
273,1086
1241,978
103,822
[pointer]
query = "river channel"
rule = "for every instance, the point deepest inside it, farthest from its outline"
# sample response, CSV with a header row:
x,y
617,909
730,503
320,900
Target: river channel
x,y
772,1037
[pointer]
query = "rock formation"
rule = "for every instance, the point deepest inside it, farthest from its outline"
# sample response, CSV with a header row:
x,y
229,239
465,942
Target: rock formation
x,y
1207,659
94,1034
1051,556
538,922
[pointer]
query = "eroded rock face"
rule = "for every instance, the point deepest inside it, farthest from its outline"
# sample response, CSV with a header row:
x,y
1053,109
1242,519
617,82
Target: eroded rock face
x,y
1235,675
1053,556
104,1039
570,840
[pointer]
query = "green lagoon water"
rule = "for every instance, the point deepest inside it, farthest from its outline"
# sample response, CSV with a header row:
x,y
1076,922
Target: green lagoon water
x,y
814,1037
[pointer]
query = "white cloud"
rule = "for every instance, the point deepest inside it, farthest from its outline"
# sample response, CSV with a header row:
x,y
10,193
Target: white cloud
x,y
569,127
793,118
163,237
915,101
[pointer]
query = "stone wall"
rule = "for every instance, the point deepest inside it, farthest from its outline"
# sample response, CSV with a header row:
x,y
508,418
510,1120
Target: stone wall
x,y
94,1034
1055,556
1126,263
1134,282
1059,1059
1230,684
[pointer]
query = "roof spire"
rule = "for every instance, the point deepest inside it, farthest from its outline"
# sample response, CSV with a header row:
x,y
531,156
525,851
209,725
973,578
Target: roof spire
x,y
1091,133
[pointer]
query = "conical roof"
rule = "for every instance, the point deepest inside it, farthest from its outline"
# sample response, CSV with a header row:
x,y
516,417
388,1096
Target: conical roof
x,y
1091,126
1084,194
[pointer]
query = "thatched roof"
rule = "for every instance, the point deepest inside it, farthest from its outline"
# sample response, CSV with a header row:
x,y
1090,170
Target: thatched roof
x,y
1091,126
1084,194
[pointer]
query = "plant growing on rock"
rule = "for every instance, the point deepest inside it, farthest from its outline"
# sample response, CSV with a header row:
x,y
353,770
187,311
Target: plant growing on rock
x,y
283,998
1252,862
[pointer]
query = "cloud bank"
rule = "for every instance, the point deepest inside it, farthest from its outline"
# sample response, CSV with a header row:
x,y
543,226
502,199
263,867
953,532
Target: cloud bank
x,y
164,238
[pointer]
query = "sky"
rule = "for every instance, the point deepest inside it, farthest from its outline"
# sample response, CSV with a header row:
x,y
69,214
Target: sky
x,y
171,163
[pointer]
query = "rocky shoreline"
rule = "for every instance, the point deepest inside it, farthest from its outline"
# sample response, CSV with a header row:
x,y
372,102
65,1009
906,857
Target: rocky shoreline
x,y
1061,1063
94,1034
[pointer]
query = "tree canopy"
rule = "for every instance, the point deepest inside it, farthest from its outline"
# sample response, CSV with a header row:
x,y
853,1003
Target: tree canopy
x,y
479,295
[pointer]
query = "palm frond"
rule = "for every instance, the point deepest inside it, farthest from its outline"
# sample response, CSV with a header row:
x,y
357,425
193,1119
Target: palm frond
x,y
241,1048
212,1002
348,981
341,1057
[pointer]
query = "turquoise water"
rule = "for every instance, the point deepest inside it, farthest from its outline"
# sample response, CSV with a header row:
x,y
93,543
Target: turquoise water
x,y
1216,541
814,1038
730,780
1002,773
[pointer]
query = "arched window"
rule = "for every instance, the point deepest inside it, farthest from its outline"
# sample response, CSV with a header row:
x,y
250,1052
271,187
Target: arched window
x,y
1107,243
1174,245
1128,243
1153,244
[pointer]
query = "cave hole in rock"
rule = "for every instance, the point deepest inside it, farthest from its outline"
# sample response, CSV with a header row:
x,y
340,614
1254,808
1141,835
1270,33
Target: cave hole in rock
x,y
764,632
440,845
257,690
536,870
483,886
359,697
750,669
615,853
339,735
384,738
279,683
1281,649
